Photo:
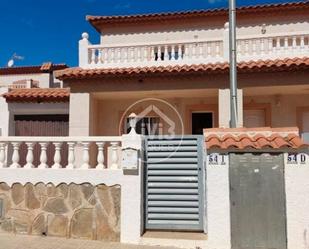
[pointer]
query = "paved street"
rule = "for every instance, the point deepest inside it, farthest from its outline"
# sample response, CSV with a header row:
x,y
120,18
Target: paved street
x,y
35,242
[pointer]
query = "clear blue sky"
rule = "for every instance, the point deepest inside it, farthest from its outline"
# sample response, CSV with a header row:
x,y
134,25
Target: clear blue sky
x,y
49,30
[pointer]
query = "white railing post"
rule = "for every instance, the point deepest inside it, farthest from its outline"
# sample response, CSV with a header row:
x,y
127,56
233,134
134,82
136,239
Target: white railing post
x,y
15,156
57,156
71,155
100,157
43,156
29,157
85,164
83,53
114,164
2,155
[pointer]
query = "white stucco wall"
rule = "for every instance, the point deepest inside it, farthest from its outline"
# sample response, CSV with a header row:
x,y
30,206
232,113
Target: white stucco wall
x,y
4,114
43,78
297,204
218,205
201,29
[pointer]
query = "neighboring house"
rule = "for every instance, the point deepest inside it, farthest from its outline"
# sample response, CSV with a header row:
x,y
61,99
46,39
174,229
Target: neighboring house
x,y
29,91
172,71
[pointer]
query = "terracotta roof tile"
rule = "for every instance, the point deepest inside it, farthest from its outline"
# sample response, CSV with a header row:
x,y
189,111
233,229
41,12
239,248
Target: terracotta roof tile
x,y
38,95
97,21
44,68
243,67
253,138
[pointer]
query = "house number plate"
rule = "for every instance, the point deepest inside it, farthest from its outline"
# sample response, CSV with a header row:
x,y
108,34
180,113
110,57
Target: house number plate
x,y
297,159
217,159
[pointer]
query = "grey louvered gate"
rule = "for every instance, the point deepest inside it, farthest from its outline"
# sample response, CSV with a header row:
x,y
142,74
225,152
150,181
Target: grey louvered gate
x,y
174,183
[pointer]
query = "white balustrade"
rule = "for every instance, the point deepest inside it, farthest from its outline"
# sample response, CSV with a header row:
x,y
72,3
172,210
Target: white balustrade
x,y
276,47
25,156
154,54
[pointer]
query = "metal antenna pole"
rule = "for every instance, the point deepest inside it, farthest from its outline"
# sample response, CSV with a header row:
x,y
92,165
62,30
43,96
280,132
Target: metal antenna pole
x,y
233,63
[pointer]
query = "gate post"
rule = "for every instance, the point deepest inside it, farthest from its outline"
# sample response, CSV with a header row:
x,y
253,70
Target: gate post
x,y
132,188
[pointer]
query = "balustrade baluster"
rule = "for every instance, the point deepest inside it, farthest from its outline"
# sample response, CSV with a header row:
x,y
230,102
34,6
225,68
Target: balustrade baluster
x,y
43,156
100,157
302,42
286,44
254,47
93,61
270,45
262,46
100,56
106,56
15,157
152,54
29,157
278,45
180,52
238,47
186,52
246,47
217,49
139,54
173,52
57,156
166,55
114,158
113,55
71,155
159,53
209,49
294,43
2,155
85,164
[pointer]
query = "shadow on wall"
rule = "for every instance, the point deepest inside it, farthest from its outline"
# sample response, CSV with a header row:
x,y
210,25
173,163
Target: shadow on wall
x,y
73,211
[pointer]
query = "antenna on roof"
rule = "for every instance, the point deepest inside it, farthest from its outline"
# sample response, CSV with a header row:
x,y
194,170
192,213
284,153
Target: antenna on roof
x,y
13,58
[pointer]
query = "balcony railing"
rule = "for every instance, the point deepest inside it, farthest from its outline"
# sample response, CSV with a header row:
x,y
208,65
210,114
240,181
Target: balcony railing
x,y
192,52
37,149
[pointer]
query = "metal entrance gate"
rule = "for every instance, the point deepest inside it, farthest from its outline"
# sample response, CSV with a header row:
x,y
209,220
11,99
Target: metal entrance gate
x,y
174,183
258,218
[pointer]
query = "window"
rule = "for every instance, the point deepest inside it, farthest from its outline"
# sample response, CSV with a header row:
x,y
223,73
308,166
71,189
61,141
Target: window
x,y
201,121
146,126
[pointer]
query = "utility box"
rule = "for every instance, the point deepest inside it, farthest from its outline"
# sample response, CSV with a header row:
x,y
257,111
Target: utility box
x,y
129,159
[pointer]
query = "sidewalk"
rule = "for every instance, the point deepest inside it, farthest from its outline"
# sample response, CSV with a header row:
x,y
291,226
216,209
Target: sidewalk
x,y
36,242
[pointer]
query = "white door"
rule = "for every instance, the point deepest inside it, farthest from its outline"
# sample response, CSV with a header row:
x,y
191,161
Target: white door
x,y
254,118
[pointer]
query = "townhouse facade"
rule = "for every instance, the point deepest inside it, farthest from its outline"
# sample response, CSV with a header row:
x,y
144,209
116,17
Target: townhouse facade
x,y
149,149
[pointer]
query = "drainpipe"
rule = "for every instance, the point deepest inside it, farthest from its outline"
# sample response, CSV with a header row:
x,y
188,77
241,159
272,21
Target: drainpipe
x,y
233,64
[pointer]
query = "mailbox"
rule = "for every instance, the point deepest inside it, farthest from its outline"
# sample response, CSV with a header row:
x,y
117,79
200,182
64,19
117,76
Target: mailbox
x,y
129,158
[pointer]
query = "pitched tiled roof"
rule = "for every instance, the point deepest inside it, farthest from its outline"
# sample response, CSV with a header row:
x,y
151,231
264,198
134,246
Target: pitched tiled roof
x,y
96,21
253,138
38,95
44,68
243,67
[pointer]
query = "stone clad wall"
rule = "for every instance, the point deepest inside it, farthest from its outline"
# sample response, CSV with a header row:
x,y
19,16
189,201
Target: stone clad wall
x,y
76,211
